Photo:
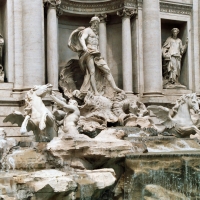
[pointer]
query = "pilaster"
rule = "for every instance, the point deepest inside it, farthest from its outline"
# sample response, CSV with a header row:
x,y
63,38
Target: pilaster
x,y
33,43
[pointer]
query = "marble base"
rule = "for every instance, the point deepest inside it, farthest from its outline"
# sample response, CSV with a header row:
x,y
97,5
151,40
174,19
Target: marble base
x,y
174,86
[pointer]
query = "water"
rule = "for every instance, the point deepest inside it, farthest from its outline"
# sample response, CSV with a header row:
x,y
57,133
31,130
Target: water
x,y
177,176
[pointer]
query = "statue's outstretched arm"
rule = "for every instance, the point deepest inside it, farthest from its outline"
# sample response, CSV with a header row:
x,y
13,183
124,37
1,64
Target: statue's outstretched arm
x,y
62,104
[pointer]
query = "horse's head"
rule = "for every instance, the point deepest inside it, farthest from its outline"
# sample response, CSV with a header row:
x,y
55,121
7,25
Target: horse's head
x,y
42,90
193,102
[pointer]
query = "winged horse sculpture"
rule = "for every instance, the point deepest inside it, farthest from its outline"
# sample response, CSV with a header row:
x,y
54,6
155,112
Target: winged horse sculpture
x,y
178,120
37,117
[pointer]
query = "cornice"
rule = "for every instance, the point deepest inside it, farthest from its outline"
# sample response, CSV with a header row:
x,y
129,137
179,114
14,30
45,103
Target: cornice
x,y
89,8
175,8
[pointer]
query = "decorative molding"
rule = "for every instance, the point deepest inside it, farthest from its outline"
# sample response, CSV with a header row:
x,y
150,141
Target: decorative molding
x,y
88,8
130,3
126,12
54,4
139,3
78,7
175,8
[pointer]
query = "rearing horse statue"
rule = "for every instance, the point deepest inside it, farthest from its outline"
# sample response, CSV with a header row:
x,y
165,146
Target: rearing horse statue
x,y
178,120
37,117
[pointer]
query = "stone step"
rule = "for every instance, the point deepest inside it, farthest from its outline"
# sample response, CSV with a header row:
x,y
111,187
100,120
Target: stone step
x,y
176,92
6,89
6,86
5,93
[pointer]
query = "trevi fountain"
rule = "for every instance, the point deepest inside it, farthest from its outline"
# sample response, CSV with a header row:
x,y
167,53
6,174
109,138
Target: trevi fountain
x,y
99,100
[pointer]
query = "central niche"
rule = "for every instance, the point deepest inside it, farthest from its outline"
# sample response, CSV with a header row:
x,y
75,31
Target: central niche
x,y
166,27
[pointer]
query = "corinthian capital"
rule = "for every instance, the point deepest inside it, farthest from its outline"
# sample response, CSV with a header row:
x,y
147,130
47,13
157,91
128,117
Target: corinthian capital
x,y
102,17
54,4
126,12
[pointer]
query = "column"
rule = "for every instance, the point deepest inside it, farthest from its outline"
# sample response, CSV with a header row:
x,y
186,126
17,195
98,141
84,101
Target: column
x,y
126,14
18,46
33,43
9,54
152,48
103,35
52,44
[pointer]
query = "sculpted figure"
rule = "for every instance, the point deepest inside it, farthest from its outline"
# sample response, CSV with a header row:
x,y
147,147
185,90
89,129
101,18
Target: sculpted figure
x,y
71,116
130,112
178,120
6,145
172,52
37,116
85,41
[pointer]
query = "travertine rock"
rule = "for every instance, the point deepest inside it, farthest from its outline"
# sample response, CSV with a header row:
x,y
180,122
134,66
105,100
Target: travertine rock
x,y
107,145
26,159
46,184
156,192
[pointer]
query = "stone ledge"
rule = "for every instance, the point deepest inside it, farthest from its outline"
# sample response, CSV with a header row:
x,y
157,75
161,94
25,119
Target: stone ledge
x,y
6,86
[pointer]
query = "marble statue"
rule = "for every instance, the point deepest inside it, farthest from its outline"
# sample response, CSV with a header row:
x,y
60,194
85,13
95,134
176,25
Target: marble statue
x,y
96,112
6,145
178,120
71,116
37,116
130,112
1,58
172,52
85,41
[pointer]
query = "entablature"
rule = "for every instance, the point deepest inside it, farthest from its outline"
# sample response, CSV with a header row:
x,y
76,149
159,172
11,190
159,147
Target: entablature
x,y
91,7
97,6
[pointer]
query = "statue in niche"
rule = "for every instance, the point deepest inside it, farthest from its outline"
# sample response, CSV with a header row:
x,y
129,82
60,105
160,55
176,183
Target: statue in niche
x,y
1,59
172,52
85,42
37,116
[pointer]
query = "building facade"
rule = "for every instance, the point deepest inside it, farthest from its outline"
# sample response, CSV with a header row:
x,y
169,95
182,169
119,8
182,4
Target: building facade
x,y
131,34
